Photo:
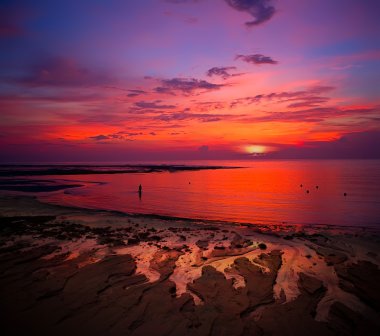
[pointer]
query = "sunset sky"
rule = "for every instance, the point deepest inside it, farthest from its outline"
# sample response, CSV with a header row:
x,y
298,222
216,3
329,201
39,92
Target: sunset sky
x,y
97,80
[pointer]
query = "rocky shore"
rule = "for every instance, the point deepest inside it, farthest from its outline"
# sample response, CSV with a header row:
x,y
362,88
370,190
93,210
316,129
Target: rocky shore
x,y
75,271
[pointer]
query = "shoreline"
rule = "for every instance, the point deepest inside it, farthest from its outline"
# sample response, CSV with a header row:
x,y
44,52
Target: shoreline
x,y
256,225
132,273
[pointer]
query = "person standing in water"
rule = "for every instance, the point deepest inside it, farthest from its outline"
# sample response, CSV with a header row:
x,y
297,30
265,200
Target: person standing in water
x,y
140,190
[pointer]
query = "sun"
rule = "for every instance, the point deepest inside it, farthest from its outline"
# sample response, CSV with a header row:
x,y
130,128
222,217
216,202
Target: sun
x,y
258,149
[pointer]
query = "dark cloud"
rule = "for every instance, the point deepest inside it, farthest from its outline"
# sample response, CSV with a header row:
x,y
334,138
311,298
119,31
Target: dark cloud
x,y
308,101
61,72
311,97
100,137
186,86
260,10
132,92
313,115
130,134
202,117
154,105
220,71
256,59
122,135
360,145
164,90
135,93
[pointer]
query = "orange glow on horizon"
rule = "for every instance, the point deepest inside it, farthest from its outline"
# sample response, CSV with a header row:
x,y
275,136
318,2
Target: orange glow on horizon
x,y
258,149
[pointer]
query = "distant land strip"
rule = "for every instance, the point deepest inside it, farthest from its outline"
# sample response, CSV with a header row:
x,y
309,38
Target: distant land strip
x,y
13,170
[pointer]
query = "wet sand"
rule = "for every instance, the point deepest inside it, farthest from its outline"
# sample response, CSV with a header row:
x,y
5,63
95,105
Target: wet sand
x,y
76,271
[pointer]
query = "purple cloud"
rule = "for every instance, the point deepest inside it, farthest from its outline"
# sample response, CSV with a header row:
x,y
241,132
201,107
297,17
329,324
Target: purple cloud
x,y
100,137
185,85
260,10
256,59
311,97
308,101
313,115
135,93
220,71
122,135
154,105
132,92
203,117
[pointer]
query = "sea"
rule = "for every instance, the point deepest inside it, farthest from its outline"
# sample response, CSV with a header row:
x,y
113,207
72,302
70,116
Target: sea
x,y
299,192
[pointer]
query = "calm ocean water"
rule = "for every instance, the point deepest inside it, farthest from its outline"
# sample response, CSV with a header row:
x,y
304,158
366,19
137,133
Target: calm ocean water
x,y
262,192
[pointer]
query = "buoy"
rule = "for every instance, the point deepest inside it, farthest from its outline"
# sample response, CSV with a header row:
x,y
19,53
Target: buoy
x,y
345,194
307,191
316,187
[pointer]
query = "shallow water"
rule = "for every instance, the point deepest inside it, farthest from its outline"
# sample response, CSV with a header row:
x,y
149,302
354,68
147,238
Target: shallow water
x,y
262,192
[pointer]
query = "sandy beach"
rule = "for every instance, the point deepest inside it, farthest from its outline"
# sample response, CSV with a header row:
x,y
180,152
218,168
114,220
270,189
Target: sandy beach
x,y
67,270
